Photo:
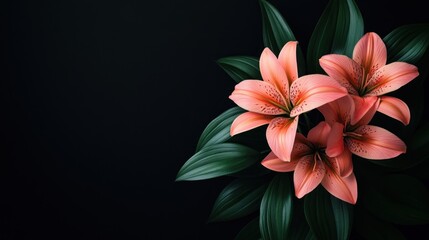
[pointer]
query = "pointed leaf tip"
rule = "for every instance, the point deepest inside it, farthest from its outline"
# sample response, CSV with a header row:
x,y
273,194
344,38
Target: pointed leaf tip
x,y
218,160
337,31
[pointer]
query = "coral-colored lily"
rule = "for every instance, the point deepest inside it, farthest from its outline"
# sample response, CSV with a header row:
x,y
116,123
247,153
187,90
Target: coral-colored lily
x,y
280,98
313,167
367,141
367,77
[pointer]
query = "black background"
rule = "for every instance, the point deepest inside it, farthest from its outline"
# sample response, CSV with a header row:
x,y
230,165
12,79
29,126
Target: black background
x,y
103,101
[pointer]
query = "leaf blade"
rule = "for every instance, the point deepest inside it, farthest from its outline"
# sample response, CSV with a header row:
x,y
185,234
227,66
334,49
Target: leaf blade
x,y
327,216
407,43
276,208
250,231
217,160
240,68
338,30
217,131
276,32
238,199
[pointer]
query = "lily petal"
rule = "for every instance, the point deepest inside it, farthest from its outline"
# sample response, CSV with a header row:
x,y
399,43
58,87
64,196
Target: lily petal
x,y
301,147
344,70
342,163
395,108
247,121
335,141
370,52
281,136
273,72
287,59
319,134
375,143
340,110
272,162
308,175
258,96
391,77
364,107
312,91
344,188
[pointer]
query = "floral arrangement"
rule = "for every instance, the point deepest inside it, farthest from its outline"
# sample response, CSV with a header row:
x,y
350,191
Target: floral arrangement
x,y
326,146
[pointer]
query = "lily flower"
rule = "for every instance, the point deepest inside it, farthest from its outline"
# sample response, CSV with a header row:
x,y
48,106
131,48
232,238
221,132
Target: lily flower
x,y
367,77
366,141
312,166
280,98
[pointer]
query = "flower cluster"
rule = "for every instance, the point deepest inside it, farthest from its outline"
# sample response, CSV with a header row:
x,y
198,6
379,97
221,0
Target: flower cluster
x,y
305,120
348,97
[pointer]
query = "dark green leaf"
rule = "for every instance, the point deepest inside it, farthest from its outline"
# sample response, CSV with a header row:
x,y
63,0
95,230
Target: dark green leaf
x,y
217,160
276,32
299,229
407,43
338,30
371,228
343,214
399,199
276,208
238,199
310,236
217,131
250,231
241,67
328,217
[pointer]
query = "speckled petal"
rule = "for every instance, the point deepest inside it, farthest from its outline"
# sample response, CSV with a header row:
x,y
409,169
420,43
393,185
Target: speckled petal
x,y
308,175
312,91
258,96
287,59
375,143
249,120
272,162
370,52
281,136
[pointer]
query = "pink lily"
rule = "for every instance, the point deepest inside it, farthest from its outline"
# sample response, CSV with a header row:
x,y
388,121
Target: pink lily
x,y
367,141
280,98
313,167
367,77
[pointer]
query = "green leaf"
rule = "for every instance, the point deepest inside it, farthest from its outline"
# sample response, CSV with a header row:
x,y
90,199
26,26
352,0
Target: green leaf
x,y
217,131
338,30
217,160
299,229
250,231
410,43
399,199
407,43
276,208
310,236
276,32
240,198
371,228
240,68
328,217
